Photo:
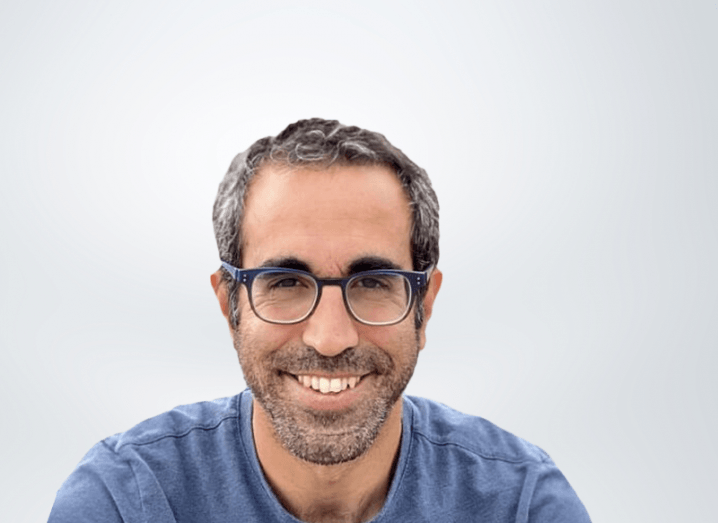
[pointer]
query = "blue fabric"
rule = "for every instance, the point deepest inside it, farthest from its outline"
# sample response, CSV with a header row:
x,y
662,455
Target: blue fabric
x,y
197,463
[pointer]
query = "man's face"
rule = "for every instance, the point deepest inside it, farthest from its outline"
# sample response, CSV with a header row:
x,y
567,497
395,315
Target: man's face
x,y
331,223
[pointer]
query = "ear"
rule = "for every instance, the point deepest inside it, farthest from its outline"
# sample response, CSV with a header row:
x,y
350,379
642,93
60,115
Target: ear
x,y
429,297
220,290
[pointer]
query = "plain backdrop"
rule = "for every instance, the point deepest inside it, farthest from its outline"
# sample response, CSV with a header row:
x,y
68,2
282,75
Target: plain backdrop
x,y
573,149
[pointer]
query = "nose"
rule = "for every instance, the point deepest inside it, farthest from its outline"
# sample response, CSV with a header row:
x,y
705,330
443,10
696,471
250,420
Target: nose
x,y
330,330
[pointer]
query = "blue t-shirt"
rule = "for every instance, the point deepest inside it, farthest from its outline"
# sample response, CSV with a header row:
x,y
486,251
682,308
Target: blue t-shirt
x,y
197,463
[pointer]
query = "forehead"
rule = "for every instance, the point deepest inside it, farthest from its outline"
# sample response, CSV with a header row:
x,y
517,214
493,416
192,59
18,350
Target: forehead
x,y
327,218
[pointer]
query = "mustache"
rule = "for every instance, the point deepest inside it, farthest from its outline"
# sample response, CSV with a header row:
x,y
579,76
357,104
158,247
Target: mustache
x,y
354,360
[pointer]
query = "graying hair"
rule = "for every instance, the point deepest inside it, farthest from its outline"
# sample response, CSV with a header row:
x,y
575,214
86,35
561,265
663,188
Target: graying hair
x,y
321,143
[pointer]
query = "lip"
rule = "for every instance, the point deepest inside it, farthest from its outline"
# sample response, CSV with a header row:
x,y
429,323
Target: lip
x,y
315,400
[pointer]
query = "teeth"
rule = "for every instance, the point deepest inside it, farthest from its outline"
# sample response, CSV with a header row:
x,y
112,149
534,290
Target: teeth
x,y
323,385
327,385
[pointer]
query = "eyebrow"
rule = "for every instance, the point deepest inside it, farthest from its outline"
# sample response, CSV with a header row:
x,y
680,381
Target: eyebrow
x,y
365,263
287,262
372,263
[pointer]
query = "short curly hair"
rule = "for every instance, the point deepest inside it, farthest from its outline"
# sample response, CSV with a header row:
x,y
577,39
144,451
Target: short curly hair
x,y
323,143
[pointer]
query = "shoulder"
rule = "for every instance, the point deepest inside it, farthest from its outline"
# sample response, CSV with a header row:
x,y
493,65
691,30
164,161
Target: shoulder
x,y
442,426
458,466
134,474
178,423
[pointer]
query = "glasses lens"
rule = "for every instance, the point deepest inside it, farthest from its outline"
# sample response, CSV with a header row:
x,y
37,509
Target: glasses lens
x,y
379,298
283,297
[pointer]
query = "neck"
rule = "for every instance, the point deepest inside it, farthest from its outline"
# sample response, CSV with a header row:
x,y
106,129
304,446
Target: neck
x,y
352,492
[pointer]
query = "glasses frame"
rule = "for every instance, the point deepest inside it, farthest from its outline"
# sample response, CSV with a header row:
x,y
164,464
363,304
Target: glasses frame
x,y
417,281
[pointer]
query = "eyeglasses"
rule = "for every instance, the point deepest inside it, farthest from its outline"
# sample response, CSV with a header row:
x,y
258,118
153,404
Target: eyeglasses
x,y
286,296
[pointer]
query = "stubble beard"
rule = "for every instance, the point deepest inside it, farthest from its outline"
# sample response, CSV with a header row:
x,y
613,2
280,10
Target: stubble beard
x,y
320,437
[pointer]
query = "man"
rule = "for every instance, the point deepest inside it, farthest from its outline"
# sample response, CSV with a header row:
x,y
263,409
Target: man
x,y
328,237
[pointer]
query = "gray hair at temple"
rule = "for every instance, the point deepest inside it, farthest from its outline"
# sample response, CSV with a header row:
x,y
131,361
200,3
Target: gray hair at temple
x,y
321,143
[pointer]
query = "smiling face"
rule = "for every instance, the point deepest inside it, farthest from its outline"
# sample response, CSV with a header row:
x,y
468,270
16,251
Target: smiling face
x,y
332,223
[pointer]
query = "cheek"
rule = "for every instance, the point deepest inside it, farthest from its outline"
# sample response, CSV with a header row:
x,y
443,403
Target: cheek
x,y
399,341
254,333
259,338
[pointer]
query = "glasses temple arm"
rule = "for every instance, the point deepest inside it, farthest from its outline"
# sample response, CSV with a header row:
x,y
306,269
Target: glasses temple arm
x,y
233,271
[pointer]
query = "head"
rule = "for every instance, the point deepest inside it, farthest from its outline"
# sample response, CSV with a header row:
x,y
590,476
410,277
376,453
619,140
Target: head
x,y
333,201
320,144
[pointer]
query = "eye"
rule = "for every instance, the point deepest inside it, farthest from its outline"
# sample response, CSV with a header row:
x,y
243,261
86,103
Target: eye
x,y
372,282
285,282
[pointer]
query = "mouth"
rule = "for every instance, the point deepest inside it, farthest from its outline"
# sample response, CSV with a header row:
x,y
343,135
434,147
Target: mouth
x,y
323,390
328,385
331,391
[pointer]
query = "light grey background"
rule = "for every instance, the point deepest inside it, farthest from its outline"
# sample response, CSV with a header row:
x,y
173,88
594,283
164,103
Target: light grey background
x,y
573,149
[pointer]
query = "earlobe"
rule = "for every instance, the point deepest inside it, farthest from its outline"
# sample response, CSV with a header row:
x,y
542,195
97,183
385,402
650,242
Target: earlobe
x,y
220,290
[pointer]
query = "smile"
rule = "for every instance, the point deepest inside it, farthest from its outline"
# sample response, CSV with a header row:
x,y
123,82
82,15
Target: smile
x,y
328,385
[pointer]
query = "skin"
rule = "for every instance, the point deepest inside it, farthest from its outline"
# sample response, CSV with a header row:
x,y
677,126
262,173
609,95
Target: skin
x,y
355,212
